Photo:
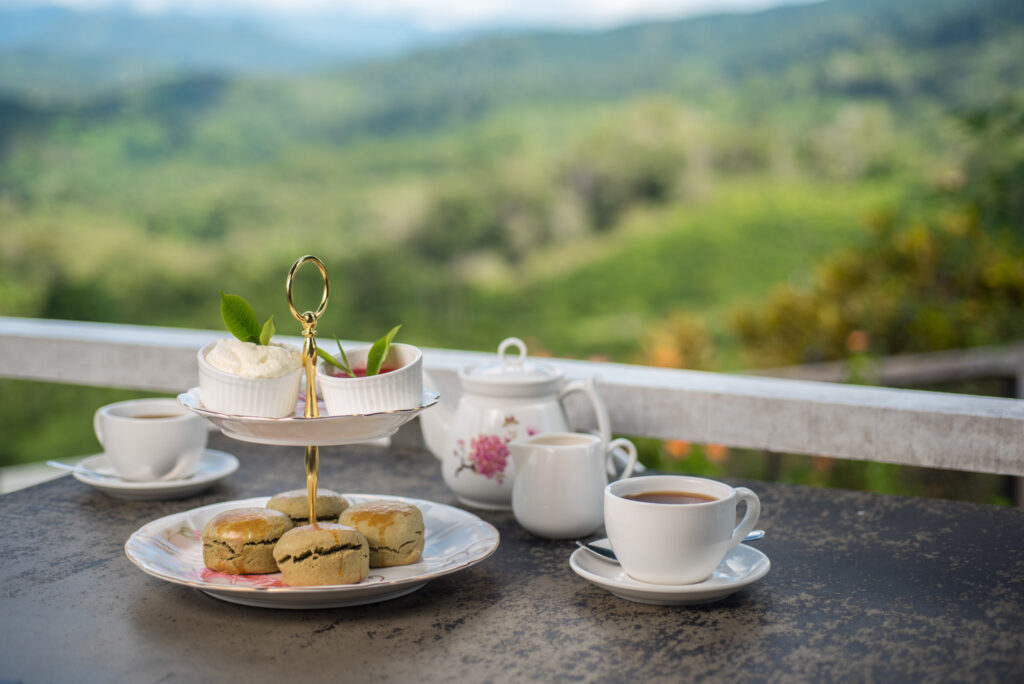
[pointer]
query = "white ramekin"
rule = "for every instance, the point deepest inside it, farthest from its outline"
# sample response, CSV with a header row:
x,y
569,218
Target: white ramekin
x,y
395,390
259,397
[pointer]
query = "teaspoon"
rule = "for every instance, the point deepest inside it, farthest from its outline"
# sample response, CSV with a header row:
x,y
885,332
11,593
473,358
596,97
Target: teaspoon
x,y
608,554
80,469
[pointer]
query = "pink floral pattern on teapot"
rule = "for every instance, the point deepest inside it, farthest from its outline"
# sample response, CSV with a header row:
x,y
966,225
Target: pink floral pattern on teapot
x,y
488,453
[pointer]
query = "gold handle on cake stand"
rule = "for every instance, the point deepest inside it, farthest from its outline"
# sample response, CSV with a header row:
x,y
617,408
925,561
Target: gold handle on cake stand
x,y
309,320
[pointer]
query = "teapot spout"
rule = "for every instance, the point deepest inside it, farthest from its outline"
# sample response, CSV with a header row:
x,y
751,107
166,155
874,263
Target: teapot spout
x,y
436,421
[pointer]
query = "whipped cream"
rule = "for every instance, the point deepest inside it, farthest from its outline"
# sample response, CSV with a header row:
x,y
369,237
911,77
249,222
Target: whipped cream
x,y
254,360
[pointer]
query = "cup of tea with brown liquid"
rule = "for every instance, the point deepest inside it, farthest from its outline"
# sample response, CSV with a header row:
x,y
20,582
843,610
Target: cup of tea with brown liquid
x,y
150,439
675,529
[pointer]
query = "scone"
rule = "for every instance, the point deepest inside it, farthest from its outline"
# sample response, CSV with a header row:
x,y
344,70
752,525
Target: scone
x,y
324,553
241,541
393,529
295,504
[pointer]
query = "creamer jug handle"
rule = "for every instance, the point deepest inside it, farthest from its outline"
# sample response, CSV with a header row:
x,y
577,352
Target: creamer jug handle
x,y
589,388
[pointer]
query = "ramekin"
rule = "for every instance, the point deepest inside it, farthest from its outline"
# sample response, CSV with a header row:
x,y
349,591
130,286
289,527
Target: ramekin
x,y
395,390
238,396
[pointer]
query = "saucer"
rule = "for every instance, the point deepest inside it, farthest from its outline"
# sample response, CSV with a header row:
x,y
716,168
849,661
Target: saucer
x,y
742,566
213,466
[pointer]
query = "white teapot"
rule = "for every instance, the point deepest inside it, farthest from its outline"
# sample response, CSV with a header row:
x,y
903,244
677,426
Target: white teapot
x,y
511,399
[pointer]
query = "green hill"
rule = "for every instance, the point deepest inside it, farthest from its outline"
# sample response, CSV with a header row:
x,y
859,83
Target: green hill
x,y
453,178
675,193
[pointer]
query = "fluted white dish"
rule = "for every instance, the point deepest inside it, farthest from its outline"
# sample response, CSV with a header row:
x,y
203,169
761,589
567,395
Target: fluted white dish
x,y
396,390
240,396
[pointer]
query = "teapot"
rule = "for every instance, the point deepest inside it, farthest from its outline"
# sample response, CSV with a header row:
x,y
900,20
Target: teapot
x,y
511,399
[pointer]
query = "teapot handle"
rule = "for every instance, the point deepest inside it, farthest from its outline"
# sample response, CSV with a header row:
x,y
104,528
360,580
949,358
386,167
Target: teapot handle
x,y
588,387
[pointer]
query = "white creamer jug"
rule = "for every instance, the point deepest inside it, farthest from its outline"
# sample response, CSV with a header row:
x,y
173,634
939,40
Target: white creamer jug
x,y
560,481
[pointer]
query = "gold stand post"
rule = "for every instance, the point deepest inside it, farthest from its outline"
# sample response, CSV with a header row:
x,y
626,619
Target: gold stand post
x,y
309,320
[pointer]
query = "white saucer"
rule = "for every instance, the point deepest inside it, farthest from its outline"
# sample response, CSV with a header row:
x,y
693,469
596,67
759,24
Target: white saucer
x,y
213,466
742,566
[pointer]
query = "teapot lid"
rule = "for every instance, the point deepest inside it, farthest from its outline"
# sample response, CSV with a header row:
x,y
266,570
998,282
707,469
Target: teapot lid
x,y
512,375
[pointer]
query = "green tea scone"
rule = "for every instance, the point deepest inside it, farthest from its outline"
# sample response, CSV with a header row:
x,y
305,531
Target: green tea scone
x,y
241,541
324,553
295,504
393,529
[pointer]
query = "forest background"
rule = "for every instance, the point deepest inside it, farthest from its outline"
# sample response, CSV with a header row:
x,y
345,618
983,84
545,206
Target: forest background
x,y
813,182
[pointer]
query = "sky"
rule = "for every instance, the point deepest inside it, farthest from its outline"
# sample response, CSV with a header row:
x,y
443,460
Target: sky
x,y
454,15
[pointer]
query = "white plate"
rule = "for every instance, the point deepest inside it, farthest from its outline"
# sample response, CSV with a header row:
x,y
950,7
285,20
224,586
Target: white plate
x,y
171,549
742,566
299,431
213,466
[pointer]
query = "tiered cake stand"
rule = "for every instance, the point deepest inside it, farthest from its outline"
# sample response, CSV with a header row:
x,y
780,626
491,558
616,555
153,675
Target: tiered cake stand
x,y
307,427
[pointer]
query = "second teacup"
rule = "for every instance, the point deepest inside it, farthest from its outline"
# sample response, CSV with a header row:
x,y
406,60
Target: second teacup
x,y
150,439
673,529
560,479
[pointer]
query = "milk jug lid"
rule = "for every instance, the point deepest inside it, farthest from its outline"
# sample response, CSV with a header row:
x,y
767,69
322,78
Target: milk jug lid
x,y
513,375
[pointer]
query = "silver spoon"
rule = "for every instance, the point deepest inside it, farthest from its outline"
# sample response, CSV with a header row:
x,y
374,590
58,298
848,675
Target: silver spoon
x,y
80,469
608,554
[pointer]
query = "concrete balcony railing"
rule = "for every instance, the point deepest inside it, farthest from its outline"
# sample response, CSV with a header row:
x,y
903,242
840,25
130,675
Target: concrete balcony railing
x,y
906,427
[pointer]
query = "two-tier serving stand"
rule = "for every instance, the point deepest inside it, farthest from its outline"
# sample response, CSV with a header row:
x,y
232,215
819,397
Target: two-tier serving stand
x,y
310,430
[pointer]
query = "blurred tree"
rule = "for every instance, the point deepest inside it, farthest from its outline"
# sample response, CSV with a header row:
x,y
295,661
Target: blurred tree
x,y
944,271
681,340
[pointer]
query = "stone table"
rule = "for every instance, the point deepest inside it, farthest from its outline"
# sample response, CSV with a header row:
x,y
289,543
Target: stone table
x,y
862,587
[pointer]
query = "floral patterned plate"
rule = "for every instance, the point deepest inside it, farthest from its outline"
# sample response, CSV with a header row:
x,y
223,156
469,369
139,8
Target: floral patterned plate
x,y
171,549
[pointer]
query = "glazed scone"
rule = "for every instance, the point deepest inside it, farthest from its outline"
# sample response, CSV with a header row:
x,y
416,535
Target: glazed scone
x,y
295,504
393,529
241,541
324,553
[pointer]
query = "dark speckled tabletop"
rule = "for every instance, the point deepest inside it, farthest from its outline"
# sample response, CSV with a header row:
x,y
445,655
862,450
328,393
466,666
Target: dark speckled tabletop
x,y
863,587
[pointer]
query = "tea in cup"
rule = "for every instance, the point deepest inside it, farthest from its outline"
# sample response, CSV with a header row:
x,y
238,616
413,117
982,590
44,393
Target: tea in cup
x,y
674,529
150,439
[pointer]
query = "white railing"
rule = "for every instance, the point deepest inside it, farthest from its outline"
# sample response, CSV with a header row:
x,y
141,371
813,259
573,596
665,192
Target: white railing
x,y
907,427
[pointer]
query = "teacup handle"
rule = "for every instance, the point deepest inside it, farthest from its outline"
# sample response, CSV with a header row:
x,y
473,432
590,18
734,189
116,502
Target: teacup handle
x,y
96,427
749,518
587,387
630,448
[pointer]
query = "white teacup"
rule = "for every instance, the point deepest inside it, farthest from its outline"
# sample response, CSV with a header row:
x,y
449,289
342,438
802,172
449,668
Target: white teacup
x,y
675,543
150,439
560,478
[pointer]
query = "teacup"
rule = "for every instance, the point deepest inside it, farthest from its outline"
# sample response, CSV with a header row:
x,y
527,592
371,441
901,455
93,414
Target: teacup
x,y
559,482
679,542
150,439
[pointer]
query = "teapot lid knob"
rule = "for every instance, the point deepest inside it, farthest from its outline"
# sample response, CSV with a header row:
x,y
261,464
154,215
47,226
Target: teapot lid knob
x,y
503,351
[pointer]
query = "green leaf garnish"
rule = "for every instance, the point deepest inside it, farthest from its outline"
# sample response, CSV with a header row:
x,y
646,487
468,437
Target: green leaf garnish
x,y
376,357
379,352
268,331
343,364
239,318
344,358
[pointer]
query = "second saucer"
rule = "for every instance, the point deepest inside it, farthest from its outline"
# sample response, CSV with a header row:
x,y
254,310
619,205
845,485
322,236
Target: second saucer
x,y
213,466
741,567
